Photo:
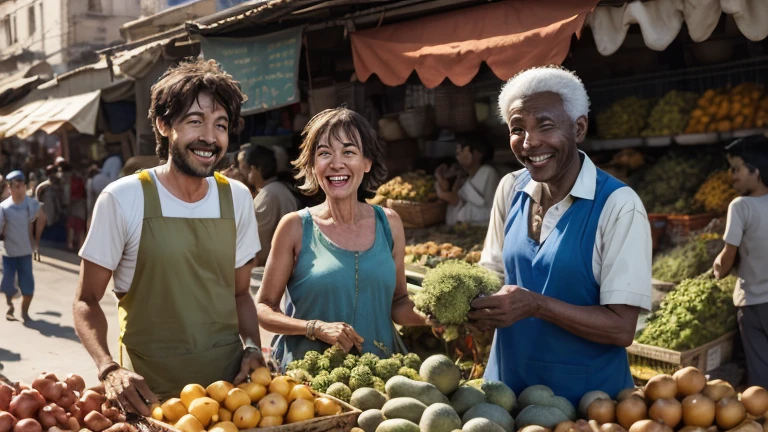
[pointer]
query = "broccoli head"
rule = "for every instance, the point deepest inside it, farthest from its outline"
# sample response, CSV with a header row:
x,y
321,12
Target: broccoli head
x,y
379,385
350,361
387,368
340,375
369,360
359,377
449,288
321,383
412,360
300,375
409,373
339,391
335,356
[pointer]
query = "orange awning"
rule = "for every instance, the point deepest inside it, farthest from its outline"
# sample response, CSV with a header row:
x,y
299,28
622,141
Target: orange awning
x,y
509,36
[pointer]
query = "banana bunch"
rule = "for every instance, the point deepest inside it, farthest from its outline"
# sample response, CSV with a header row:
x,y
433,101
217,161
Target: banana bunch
x,y
671,113
413,186
716,193
624,119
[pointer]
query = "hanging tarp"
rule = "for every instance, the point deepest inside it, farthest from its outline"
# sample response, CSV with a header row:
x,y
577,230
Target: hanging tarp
x,y
661,20
509,36
78,112
267,67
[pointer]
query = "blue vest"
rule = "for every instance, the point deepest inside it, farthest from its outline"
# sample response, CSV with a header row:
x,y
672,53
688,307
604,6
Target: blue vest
x,y
534,351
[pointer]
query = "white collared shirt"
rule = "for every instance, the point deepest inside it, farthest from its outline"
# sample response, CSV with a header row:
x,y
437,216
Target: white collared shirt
x,y
621,258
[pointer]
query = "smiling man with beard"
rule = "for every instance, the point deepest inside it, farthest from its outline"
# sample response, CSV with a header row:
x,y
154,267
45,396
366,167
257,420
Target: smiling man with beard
x,y
179,242
573,245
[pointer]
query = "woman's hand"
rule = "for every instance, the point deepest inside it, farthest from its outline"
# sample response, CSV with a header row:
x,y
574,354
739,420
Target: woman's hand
x,y
339,334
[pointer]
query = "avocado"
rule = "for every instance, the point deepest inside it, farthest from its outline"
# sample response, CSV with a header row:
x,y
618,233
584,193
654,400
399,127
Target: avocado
x,y
493,413
403,408
397,425
439,418
370,419
367,398
440,371
535,395
400,386
539,415
465,398
499,394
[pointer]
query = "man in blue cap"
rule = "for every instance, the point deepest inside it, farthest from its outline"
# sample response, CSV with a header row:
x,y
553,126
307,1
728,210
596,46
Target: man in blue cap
x,y
17,216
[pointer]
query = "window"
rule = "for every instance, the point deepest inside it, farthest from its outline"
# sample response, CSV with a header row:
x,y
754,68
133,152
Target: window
x,y
94,6
32,25
14,30
8,31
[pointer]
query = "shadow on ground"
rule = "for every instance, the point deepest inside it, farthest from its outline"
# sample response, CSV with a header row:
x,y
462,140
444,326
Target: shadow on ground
x,y
9,356
52,330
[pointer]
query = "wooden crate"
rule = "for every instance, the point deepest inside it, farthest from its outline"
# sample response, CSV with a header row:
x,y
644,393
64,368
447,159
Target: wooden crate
x,y
418,214
705,358
679,227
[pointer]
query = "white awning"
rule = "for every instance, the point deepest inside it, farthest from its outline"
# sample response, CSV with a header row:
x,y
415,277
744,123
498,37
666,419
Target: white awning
x,y
78,112
661,20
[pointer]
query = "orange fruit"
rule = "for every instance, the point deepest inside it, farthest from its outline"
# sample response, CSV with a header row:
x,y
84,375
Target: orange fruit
x,y
246,417
236,398
255,391
191,392
282,385
300,410
261,376
271,421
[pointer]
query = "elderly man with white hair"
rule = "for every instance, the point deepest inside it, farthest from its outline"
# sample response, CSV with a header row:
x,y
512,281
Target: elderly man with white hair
x,y
573,245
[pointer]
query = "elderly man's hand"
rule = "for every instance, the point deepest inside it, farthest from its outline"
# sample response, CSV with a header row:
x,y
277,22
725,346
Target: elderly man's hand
x,y
508,306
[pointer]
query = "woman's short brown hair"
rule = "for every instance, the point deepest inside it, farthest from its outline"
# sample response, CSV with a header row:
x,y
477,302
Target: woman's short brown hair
x,y
331,123
178,89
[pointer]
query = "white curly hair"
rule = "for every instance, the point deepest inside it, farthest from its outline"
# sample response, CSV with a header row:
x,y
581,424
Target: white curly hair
x,y
546,79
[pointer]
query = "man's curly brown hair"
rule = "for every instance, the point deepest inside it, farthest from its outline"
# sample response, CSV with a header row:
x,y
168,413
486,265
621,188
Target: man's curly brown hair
x,y
330,123
178,89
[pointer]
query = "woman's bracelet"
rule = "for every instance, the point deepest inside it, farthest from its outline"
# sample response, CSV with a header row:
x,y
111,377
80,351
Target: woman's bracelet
x,y
311,329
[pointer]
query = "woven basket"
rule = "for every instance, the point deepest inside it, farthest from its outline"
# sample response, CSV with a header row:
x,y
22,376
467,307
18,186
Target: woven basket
x,y
418,122
390,129
455,108
679,227
658,227
343,422
417,214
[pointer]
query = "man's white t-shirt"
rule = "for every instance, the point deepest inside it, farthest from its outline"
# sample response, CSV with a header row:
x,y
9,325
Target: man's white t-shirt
x,y
113,241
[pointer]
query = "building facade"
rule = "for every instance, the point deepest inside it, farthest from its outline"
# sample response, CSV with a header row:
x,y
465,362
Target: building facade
x,y
63,33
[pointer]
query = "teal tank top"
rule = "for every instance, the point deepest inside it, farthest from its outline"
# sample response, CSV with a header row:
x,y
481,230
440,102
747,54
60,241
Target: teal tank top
x,y
332,284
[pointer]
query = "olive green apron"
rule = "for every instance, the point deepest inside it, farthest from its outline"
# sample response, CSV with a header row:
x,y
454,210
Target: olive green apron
x,y
178,321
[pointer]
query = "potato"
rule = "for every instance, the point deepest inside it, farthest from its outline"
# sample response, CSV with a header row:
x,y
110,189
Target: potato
x,y
96,421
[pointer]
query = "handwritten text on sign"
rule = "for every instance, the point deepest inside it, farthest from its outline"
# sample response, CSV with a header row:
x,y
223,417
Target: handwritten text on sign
x,y
266,67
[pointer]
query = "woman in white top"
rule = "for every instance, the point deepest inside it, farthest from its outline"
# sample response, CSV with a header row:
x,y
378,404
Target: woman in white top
x,y
470,198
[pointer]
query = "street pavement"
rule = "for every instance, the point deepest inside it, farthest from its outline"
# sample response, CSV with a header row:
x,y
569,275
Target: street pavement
x,y
49,343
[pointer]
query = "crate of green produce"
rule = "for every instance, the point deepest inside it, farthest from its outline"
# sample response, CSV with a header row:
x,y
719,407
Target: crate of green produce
x,y
694,326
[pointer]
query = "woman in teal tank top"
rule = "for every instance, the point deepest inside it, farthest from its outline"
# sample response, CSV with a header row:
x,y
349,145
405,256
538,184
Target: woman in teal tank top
x,y
342,261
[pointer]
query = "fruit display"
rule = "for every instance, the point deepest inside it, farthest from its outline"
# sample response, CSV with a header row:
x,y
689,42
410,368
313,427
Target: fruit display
x,y
696,312
761,118
624,119
412,186
670,114
339,374
439,401
669,185
726,110
429,247
687,260
54,404
628,158
262,402
716,193
685,401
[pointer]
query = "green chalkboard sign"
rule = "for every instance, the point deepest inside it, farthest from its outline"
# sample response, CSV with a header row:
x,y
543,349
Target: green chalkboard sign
x,y
266,66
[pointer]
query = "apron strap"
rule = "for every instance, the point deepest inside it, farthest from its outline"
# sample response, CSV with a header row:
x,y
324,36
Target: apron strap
x,y
226,205
152,208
